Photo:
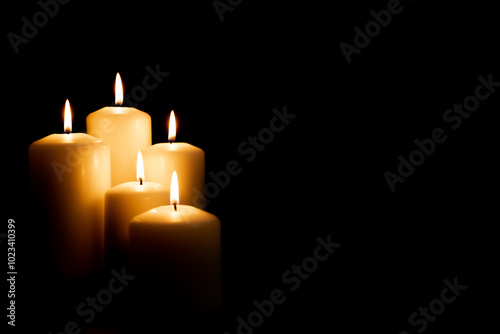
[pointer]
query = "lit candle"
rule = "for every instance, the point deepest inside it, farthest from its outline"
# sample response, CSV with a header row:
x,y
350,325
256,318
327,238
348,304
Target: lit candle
x,y
122,203
125,130
69,174
181,244
160,160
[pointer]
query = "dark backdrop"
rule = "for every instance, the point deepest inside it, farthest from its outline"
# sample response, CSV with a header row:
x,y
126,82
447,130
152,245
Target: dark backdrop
x,y
322,175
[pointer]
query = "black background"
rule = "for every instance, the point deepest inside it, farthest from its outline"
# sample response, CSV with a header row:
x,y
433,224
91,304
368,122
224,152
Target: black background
x,y
322,175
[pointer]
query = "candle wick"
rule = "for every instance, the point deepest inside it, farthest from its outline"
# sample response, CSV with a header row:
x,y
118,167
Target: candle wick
x,y
175,206
140,181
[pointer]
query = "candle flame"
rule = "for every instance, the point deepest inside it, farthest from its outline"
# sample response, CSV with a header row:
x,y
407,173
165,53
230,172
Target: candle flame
x,y
172,131
174,189
118,90
140,168
67,117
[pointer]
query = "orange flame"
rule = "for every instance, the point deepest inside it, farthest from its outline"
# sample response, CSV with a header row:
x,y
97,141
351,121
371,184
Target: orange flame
x,y
118,90
172,131
67,117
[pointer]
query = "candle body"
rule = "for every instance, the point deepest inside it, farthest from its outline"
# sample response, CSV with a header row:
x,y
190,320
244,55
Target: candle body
x,y
183,247
126,131
122,203
160,160
69,174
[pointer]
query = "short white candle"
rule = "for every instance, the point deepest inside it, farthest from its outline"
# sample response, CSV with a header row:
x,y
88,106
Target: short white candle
x,y
122,203
181,243
160,160
69,174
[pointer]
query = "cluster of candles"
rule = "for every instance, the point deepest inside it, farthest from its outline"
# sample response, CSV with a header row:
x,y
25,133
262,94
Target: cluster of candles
x,y
114,198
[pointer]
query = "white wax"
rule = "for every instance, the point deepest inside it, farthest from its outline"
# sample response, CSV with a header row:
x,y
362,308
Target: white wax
x,y
69,174
126,131
183,246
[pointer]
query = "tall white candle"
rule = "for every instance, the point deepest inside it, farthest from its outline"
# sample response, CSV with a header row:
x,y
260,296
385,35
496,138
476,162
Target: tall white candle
x,y
69,174
125,130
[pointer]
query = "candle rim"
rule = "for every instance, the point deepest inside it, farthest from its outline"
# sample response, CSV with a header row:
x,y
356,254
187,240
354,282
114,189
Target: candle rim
x,y
185,214
174,146
118,110
146,186
75,138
